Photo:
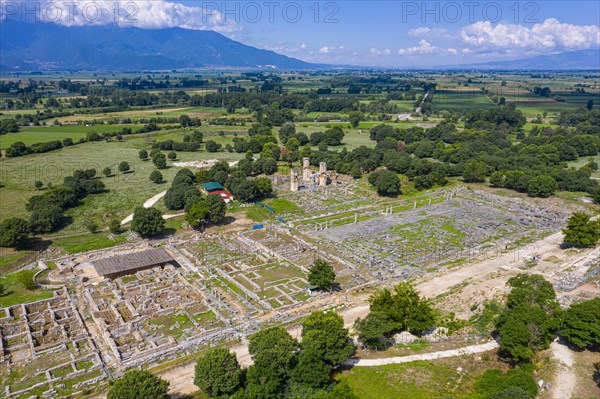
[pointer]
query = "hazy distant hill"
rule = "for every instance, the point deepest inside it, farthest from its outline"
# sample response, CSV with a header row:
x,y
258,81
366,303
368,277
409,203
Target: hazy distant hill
x,y
43,46
584,59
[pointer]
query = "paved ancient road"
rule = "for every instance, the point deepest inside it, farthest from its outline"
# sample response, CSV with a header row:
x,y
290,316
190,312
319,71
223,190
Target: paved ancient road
x,y
565,379
469,350
147,204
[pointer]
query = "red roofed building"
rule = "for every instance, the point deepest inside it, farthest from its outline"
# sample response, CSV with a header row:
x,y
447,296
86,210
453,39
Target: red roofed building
x,y
226,195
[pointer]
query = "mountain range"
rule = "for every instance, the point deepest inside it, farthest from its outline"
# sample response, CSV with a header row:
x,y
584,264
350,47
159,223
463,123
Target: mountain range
x,y
572,60
47,46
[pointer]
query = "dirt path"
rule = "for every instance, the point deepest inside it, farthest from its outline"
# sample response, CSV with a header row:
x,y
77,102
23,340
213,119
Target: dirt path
x,y
435,285
468,350
565,379
149,202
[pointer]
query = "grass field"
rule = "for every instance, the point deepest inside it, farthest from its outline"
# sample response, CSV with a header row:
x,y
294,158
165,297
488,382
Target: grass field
x,y
460,100
7,256
41,134
583,161
147,113
421,379
87,242
125,191
16,293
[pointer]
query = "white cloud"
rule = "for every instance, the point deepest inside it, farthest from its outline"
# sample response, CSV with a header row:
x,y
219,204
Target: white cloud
x,y
283,48
145,14
424,47
442,33
334,49
375,52
548,35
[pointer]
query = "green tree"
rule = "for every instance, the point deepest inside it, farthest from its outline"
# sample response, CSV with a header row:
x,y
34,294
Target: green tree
x,y
581,324
373,330
218,373
156,177
143,155
147,221
311,370
581,231
2,288
542,186
217,208
212,146
13,232
198,214
355,117
38,185
273,351
124,167
293,144
589,105
247,191
386,182
287,131
159,160
475,172
405,309
596,195
91,226
45,218
264,186
531,318
321,275
172,155
115,226
325,331
107,172
139,384
497,179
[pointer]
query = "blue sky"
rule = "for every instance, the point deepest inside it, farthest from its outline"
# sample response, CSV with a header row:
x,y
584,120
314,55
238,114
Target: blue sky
x,y
377,33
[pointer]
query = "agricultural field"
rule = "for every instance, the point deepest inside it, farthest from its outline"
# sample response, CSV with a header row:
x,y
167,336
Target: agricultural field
x,y
41,134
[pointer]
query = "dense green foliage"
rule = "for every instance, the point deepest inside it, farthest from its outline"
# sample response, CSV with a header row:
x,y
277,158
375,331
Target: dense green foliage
x,y
321,275
514,384
391,312
324,330
531,317
386,182
373,330
218,373
147,221
581,324
156,177
282,367
581,231
13,232
139,384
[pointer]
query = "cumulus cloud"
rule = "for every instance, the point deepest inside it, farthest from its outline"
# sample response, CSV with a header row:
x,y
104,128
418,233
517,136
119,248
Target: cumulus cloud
x,y
284,48
441,33
548,35
377,52
329,50
424,47
145,14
